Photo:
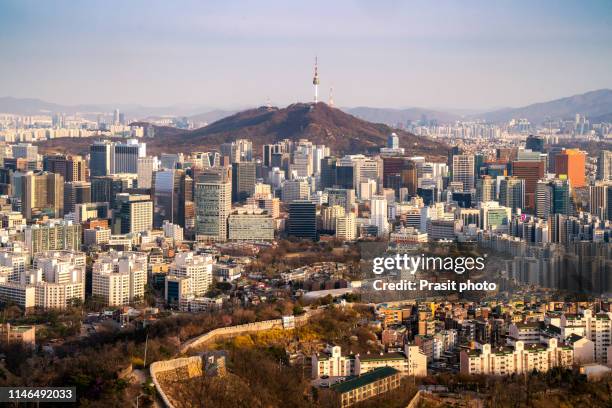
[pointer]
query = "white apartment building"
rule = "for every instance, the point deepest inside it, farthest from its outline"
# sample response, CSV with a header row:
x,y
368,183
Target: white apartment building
x,y
516,360
197,267
595,327
346,227
15,260
119,278
332,363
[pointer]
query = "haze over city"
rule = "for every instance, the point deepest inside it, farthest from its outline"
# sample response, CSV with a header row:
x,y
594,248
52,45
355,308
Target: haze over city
x,y
468,55
344,204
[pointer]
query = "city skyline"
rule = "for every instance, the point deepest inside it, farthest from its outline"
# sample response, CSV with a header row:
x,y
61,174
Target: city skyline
x,y
231,55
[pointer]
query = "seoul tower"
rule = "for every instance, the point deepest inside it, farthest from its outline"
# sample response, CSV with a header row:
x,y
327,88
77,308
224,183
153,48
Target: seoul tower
x,y
315,82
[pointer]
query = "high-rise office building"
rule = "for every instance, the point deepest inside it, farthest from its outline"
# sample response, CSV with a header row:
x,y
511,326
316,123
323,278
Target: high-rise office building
x,y
240,150
170,190
268,151
342,197
463,170
531,172
71,168
145,168
104,189
543,199
101,158
134,213
329,215
604,165
42,193
561,197
126,156
598,203
512,193
378,215
328,173
571,162
535,143
76,192
295,190
302,221
485,189
243,180
213,204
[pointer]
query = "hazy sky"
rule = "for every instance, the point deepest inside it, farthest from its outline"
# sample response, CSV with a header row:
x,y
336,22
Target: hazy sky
x,y
460,54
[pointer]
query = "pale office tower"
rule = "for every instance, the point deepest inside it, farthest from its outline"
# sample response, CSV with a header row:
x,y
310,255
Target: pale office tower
x,y
346,227
53,235
485,189
463,170
342,197
145,168
213,204
293,190
197,267
378,215
366,169
604,165
240,150
173,231
120,278
250,224
393,141
319,152
520,359
329,216
598,203
543,199
16,261
301,165
367,189
42,193
276,177
126,156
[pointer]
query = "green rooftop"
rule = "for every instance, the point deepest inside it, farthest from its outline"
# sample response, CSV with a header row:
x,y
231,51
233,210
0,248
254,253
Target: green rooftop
x,y
365,379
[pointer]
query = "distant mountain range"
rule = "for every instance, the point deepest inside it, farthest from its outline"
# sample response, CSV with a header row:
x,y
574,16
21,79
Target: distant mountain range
x,y
596,105
32,106
394,116
319,123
